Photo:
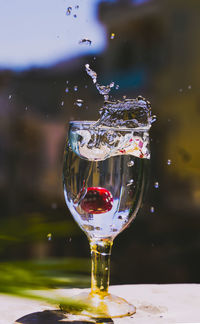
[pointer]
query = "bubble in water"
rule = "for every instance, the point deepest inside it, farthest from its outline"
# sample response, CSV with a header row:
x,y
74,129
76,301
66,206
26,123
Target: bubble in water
x,y
62,103
79,102
9,97
67,90
75,88
130,163
156,185
117,87
130,182
49,236
85,41
69,10
189,87
152,209
77,7
112,36
169,162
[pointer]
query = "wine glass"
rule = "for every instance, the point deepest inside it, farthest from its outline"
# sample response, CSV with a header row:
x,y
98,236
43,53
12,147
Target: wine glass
x,y
103,188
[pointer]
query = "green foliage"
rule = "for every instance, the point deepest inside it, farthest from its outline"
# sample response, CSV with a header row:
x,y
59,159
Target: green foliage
x,y
32,278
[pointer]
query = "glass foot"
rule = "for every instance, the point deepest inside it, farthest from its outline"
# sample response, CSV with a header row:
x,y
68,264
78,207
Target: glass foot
x,y
108,306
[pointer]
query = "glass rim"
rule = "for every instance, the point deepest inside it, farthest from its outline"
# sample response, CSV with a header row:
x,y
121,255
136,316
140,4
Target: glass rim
x,y
91,122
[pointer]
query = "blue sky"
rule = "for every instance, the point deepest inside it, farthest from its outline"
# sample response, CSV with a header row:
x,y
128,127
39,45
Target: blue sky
x,y
39,33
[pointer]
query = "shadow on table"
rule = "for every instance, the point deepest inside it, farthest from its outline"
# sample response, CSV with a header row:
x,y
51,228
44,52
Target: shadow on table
x,y
55,317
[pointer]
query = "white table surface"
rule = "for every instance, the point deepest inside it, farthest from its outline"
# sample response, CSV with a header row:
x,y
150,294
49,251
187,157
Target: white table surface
x,y
156,304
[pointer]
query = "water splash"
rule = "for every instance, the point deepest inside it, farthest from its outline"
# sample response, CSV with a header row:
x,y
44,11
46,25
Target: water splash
x,y
104,90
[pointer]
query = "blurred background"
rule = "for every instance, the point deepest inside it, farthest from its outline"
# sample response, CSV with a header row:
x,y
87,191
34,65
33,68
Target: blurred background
x,y
149,48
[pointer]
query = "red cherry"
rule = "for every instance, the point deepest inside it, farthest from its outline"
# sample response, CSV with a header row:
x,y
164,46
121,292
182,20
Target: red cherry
x,y
97,201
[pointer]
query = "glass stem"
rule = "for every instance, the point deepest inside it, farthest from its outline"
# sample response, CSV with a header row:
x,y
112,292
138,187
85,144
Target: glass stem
x,y
100,272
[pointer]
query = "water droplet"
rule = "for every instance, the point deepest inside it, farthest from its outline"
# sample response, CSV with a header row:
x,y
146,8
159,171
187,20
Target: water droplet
x,y
9,97
53,205
49,236
112,36
117,87
69,10
67,90
79,102
106,268
152,209
75,16
86,86
153,118
85,41
169,162
130,182
70,239
189,87
62,103
130,163
26,108
94,58
77,7
156,185
75,88
181,90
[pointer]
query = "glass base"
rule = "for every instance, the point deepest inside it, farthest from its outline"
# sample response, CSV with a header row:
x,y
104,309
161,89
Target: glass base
x,y
108,306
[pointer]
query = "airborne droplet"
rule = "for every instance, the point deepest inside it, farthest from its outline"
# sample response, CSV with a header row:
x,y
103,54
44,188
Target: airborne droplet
x,y
69,10
130,182
152,209
112,36
156,185
85,41
79,102
130,163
